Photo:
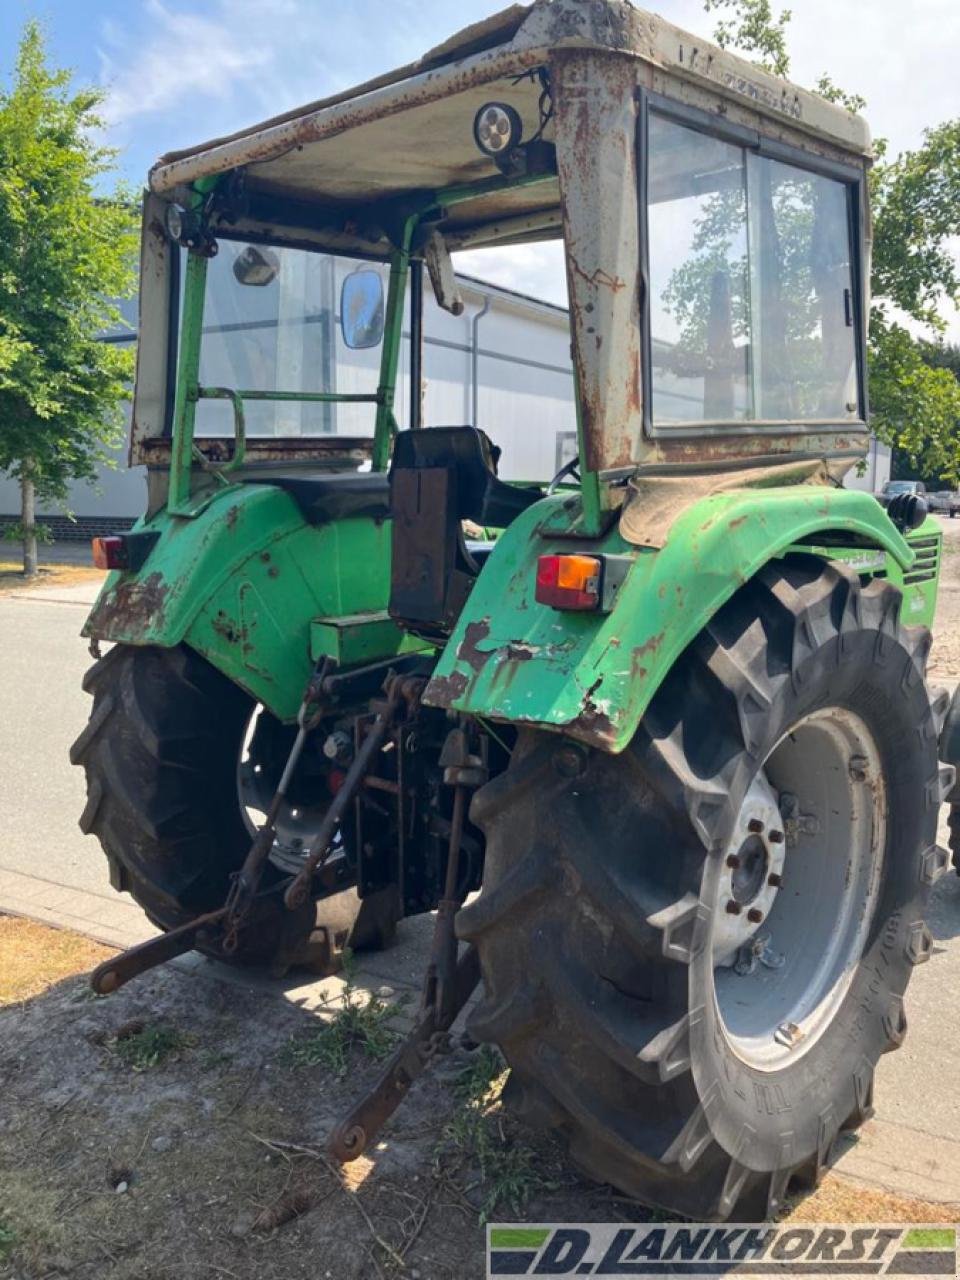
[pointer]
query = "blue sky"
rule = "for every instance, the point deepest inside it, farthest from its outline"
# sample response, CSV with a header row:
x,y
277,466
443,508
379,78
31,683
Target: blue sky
x,y
180,71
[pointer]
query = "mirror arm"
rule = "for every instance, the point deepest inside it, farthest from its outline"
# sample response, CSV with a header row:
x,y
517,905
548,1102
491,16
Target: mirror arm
x,y
440,267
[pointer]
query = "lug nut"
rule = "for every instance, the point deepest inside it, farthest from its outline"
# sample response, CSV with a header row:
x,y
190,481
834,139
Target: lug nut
x,y
755,915
755,826
775,837
774,880
733,861
733,908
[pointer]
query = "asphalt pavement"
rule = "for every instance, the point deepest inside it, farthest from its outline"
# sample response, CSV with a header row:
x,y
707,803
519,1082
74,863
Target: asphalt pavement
x,y
50,871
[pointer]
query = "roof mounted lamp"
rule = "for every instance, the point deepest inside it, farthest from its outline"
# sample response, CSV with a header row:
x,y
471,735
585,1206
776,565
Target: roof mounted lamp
x,y
497,129
186,228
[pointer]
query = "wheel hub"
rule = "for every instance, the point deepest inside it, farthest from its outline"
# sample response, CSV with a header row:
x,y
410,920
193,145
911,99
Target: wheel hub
x,y
752,872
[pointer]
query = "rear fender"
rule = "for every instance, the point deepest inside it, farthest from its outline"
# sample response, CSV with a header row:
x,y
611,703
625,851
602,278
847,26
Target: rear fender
x,y
592,676
241,582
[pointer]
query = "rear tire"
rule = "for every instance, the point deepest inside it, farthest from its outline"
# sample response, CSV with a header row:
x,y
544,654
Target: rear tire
x,y
603,902
160,753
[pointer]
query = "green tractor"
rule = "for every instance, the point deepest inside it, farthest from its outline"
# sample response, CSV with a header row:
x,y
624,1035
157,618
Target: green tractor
x,y
654,739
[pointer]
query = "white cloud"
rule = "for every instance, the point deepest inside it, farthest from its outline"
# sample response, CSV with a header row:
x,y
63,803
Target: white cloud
x,y
186,57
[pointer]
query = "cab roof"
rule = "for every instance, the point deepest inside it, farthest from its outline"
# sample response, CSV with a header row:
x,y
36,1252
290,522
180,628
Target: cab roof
x,y
410,130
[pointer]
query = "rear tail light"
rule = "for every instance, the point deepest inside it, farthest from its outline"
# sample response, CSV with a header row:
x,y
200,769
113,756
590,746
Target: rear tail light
x,y
110,553
569,581
125,551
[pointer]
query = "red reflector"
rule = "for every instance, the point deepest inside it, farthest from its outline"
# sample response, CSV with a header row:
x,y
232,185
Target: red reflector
x,y
568,582
109,553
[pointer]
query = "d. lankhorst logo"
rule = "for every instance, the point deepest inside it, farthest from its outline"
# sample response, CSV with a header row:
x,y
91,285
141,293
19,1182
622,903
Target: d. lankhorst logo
x,y
694,1250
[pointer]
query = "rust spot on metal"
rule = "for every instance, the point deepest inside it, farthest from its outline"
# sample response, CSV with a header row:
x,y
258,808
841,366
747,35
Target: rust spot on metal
x,y
649,646
468,651
130,609
231,631
518,652
446,690
232,516
593,726
735,524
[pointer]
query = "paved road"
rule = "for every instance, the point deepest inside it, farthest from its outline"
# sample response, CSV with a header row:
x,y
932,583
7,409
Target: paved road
x,y
48,869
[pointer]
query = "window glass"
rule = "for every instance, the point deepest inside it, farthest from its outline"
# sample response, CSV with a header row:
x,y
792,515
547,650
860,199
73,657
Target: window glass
x,y
805,359
282,335
751,302
699,278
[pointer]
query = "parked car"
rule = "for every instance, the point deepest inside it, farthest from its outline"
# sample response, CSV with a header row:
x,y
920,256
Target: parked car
x,y
895,487
945,502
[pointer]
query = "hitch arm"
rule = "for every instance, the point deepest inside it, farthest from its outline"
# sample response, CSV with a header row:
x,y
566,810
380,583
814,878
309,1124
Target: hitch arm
x,y
118,970
358,1129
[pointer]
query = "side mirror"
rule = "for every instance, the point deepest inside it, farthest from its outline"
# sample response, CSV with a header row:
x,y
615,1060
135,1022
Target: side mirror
x,y
256,266
361,309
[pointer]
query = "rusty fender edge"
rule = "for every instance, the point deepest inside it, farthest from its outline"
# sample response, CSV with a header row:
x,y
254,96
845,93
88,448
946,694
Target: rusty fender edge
x,y
592,676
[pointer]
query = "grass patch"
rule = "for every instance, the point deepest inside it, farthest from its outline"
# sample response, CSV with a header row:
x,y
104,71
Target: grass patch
x,y
359,1025
34,957
8,1238
141,1046
510,1172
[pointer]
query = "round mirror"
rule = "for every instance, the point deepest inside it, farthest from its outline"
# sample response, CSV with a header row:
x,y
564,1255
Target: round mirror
x,y
361,309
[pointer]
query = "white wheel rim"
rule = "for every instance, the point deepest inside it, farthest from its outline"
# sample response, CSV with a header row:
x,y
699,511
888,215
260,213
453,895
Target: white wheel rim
x,y
792,918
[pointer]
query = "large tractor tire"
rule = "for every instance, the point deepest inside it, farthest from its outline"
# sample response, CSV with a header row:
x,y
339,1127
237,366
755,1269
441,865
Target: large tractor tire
x,y
695,952
163,755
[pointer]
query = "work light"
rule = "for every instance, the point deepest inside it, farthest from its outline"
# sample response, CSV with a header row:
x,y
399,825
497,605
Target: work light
x,y
497,129
184,227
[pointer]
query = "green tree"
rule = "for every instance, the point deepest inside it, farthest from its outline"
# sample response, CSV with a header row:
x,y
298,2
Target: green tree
x,y
915,398
66,255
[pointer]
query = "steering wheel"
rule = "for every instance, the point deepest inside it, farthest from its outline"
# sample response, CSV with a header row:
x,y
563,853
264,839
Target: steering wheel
x,y
571,468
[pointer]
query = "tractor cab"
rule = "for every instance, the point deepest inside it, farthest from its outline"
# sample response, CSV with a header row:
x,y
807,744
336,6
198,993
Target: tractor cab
x,y
715,240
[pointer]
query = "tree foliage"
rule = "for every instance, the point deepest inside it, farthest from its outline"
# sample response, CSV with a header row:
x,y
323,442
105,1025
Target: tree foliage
x,y
66,255
752,28
915,198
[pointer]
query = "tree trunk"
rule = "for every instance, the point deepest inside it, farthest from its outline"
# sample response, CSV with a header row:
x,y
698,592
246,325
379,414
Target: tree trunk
x,y
28,525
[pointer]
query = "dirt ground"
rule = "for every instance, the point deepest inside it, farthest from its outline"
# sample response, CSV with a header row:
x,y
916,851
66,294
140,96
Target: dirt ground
x,y
52,575
175,1130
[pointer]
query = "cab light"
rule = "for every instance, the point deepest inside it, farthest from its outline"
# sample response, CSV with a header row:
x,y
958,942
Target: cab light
x,y
569,581
109,553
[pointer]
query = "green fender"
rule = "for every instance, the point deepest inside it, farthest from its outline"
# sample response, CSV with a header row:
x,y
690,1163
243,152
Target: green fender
x,y
241,582
592,676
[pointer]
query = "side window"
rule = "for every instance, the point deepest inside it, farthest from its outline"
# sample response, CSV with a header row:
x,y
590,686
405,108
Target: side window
x,y
804,340
750,283
699,277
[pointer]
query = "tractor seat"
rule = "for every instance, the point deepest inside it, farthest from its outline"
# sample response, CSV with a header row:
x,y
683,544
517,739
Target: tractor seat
x,y
479,494
336,495
441,476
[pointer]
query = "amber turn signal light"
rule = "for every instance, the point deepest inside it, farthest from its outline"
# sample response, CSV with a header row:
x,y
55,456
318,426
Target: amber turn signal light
x,y
569,581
